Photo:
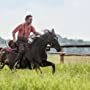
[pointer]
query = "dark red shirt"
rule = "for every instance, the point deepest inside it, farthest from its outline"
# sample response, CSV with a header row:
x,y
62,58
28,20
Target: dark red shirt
x,y
24,30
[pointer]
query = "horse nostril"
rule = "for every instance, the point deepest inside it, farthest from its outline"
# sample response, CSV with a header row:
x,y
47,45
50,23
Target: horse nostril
x,y
59,49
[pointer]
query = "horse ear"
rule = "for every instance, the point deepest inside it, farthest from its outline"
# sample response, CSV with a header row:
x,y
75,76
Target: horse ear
x,y
53,31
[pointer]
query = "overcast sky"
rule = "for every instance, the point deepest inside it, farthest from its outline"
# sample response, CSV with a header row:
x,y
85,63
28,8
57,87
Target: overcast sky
x,y
70,18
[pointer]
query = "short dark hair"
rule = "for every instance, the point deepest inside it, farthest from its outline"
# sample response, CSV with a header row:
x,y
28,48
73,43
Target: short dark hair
x,y
28,17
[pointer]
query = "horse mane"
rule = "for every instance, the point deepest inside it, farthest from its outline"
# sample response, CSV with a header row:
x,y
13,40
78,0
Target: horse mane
x,y
34,41
40,40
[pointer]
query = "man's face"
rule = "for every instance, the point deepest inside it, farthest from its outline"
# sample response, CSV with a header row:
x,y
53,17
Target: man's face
x,y
29,20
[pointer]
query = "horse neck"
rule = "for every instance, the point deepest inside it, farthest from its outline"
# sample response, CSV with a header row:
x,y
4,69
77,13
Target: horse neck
x,y
41,42
44,39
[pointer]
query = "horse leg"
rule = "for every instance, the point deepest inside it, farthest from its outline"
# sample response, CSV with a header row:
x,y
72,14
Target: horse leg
x,y
37,67
4,63
40,70
1,63
30,66
48,63
2,66
11,67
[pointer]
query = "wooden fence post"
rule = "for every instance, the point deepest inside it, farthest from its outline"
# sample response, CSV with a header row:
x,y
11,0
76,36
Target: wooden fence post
x,y
62,57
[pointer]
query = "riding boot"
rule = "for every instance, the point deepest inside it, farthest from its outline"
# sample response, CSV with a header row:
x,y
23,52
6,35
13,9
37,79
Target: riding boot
x,y
21,46
18,59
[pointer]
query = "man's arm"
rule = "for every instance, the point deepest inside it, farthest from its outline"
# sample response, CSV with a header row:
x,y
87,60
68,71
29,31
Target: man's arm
x,y
14,32
35,32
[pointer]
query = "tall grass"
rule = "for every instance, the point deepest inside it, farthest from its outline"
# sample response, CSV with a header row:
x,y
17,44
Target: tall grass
x,y
67,77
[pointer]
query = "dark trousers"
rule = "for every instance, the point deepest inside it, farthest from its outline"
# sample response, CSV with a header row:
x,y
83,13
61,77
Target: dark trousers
x,y
21,43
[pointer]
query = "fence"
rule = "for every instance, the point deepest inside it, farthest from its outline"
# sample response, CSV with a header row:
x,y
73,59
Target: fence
x,y
62,54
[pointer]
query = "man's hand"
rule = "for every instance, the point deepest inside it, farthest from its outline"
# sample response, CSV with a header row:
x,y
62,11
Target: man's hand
x,y
37,33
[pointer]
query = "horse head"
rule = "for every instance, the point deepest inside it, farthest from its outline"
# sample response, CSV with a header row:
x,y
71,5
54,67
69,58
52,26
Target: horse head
x,y
52,39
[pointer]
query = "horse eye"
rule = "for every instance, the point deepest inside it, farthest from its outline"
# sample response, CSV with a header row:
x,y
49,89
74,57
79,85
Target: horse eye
x,y
56,38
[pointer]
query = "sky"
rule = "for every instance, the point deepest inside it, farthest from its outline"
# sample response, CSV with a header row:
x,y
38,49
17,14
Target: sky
x,y
69,18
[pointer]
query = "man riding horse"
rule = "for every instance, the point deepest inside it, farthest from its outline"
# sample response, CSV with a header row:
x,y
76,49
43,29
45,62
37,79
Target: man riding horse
x,y
24,31
33,55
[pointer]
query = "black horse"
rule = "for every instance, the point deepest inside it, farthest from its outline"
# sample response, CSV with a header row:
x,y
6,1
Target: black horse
x,y
35,54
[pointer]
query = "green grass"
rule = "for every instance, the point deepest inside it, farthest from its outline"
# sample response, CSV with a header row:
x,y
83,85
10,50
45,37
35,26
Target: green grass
x,y
68,76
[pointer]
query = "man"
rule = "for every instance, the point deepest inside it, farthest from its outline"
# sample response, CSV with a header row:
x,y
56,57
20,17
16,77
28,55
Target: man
x,y
24,31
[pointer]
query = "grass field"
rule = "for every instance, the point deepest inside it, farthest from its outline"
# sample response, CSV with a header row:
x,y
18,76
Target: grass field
x,y
73,75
